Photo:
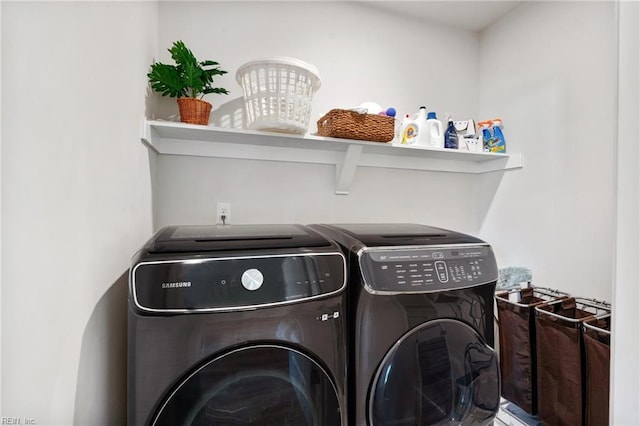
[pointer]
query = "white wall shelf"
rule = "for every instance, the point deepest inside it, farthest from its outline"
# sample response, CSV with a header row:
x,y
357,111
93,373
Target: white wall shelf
x,y
171,138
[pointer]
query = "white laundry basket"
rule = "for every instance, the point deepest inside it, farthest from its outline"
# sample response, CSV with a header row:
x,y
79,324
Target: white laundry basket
x,y
278,92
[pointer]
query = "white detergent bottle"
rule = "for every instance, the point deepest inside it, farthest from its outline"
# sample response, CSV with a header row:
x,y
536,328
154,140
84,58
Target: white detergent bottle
x,y
413,131
435,131
399,128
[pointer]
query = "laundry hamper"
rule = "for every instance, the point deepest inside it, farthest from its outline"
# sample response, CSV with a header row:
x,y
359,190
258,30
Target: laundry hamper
x,y
278,92
560,364
597,347
517,333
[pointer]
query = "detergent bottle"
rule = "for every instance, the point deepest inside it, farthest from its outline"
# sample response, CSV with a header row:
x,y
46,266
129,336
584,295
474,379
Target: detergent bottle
x,y
434,130
493,138
499,144
413,130
399,129
450,135
487,136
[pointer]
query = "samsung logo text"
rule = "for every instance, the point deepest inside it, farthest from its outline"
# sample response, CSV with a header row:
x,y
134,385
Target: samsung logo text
x,y
179,284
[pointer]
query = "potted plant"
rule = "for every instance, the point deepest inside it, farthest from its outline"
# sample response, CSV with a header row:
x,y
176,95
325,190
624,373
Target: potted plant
x,y
189,80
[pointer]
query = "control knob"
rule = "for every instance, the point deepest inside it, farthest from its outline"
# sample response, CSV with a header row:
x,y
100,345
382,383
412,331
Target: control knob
x,y
252,279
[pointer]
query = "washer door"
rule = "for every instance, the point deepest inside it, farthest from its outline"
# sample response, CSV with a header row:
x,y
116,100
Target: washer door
x,y
440,373
262,385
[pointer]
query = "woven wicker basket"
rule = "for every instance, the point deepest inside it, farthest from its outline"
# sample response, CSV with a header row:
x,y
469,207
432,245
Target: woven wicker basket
x,y
194,111
347,124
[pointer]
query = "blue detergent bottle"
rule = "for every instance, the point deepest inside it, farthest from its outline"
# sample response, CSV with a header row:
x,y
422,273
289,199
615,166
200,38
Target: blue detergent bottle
x,y
450,135
487,136
499,144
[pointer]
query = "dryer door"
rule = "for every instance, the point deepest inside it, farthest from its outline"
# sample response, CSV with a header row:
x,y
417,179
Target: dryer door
x,y
262,385
440,373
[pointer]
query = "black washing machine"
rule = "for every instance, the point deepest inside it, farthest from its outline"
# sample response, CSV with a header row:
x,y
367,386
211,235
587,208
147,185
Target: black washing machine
x,y
237,325
421,302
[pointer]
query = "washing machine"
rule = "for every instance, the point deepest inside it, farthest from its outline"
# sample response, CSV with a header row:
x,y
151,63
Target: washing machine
x,y
421,303
237,325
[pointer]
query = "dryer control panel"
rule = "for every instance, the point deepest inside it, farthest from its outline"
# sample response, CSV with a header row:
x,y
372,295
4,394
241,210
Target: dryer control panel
x,y
427,268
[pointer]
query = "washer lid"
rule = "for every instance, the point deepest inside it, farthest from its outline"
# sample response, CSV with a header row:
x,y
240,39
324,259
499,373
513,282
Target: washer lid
x,y
403,234
233,237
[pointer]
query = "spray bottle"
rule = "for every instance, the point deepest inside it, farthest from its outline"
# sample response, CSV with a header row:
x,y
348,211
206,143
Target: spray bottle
x,y
500,144
487,137
493,138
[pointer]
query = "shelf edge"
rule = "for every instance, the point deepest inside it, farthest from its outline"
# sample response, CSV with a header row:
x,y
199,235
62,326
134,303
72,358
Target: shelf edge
x,y
347,155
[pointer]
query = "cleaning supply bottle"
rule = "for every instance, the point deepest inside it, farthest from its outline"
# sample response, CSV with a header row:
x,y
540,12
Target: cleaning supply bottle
x,y
399,129
450,135
434,130
500,144
413,131
487,136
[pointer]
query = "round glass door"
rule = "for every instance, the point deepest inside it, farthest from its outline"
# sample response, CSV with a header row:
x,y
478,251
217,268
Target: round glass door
x,y
259,385
440,373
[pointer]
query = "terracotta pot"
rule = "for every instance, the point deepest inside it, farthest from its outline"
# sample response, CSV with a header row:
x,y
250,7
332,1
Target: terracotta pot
x,y
194,111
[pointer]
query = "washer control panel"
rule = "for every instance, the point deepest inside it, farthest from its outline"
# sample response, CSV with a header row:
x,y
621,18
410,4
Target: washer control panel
x,y
218,284
427,269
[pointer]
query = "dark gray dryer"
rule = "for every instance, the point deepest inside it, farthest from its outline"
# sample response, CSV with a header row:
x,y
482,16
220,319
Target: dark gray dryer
x,y
235,326
420,325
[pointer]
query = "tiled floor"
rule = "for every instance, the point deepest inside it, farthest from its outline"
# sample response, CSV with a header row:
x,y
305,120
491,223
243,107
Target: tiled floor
x,y
511,415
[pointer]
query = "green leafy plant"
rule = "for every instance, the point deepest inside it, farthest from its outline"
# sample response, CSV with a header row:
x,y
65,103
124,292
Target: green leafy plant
x,y
188,78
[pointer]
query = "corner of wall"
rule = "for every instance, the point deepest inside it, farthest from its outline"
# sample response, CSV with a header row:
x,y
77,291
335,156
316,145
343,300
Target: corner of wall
x,y
625,348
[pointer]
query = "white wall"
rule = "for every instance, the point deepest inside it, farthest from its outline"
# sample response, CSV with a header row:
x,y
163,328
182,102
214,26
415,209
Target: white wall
x,y
76,203
549,70
362,54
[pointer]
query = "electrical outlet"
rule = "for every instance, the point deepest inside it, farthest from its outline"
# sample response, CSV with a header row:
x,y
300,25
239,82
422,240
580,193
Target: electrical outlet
x,y
223,209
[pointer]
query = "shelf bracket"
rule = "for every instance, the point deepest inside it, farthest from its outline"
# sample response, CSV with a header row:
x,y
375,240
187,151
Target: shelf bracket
x,y
347,170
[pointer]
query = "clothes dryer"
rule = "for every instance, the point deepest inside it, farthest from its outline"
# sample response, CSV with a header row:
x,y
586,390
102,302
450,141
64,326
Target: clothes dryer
x,y
421,302
237,325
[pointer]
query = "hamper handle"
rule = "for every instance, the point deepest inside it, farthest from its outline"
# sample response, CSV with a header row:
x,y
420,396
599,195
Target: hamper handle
x,y
596,328
575,301
531,291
